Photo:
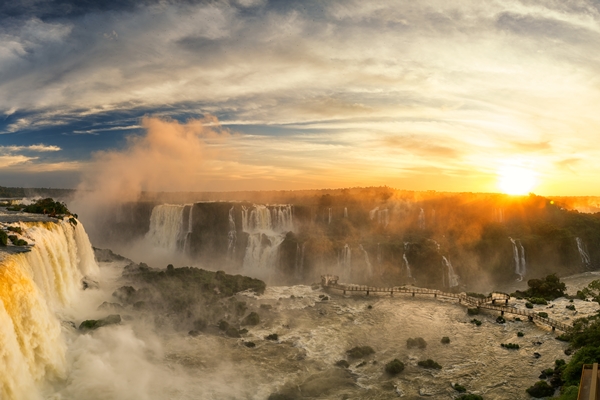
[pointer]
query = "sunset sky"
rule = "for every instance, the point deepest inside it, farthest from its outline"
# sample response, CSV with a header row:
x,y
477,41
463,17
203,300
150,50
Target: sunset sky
x,y
241,95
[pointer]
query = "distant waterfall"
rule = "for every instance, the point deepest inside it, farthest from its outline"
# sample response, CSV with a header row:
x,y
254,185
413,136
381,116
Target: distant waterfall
x,y
406,264
329,210
188,235
379,254
299,267
34,288
383,217
422,219
367,262
266,227
166,226
231,234
519,256
498,215
452,277
346,260
345,212
585,257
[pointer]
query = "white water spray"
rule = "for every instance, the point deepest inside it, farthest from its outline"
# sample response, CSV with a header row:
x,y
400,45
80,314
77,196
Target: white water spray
x,y
519,257
166,226
367,262
406,264
585,257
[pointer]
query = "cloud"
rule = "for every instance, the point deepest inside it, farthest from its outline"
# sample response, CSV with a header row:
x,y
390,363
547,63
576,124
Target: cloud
x,y
532,146
7,161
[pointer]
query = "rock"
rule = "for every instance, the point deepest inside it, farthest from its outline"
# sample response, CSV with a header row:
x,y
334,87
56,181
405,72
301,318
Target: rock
x,y
272,336
106,306
342,364
266,306
537,355
194,333
250,344
251,319
232,332
92,324
88,283
124,294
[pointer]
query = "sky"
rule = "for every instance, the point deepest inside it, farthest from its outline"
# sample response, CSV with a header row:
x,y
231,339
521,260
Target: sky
x,y
477,96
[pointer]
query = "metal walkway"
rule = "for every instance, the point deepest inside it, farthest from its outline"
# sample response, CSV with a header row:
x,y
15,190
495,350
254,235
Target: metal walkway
x,y
488,303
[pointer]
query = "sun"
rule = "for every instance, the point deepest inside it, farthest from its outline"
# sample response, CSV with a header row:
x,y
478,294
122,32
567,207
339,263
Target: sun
x,y
516,179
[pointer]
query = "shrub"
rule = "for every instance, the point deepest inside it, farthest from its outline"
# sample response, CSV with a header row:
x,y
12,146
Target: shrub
x,y
459,388
538,300
251,319
445,340
513,346
3,238
394,367
500,319
473,311
476,295
528,305
416,342
47,206
272,336
540,389
429,363
15,229
476,321
470,397
570,307
360,351
543,314
520,334
250,344
517,319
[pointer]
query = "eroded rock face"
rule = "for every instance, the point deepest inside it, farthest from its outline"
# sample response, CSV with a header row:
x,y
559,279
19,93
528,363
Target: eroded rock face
x,y
92,324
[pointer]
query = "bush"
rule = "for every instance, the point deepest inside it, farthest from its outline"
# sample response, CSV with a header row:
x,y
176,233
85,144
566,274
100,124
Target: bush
x,y
47,206
251,319
500,319
445,340
476,321
520,334
540,389
394,367
429,363
459,388
3,238
360,351
272,336
543,314
538,300
476,295
416,342
513,346
470,397
570,307
250,345
528,305
473,311
15,229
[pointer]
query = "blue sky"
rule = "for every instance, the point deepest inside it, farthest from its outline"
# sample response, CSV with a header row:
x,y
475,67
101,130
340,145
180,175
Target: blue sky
x,y
415,95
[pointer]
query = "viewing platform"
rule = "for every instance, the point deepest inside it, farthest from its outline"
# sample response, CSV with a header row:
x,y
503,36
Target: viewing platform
x,y
497,301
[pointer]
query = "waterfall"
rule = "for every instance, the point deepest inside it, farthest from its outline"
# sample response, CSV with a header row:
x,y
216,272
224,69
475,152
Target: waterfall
x,y
34,286
585,257
369,266
422,219
379,254
499,215
408,271
166,226
452,277
382,216
345,212
373,212
188,234
346,262
519,257
231,235
329,215
266,227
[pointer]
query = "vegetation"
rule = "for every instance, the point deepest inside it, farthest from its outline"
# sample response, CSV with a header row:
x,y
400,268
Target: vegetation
x,y
528,305
3,238
15,229
548,288
513,346
470,397
543,314
47,206
476,295
416,342
342,364
459,388
360,351
476,322
539,301
430,364
445,340
272,336
520,334
570,307
251,319
500,319
540,389
16,241
92,324
394,367
473,311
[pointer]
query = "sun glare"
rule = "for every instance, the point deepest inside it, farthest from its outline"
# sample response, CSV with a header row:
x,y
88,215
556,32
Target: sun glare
x,y
513,179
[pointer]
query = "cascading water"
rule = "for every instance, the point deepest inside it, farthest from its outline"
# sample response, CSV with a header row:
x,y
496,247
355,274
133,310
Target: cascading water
x,y
231,234
382,216
422,219
330,215
585,257
166,227
346,260
373,213
452,277
34,287
519,256
266,227
499,215
407,265
345,212
367,262
379,254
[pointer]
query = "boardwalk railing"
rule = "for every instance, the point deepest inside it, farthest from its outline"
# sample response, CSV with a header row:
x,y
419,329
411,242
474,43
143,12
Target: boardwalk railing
x,y
488,303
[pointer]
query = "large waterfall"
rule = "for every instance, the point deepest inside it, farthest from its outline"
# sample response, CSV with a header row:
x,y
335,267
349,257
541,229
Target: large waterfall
x,y
266,227
34,288
519,256
166,227
406,264
345,261
452,277
367,261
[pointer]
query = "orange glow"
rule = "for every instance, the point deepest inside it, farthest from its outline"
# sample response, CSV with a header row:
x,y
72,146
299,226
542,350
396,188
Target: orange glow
x,y
516,179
